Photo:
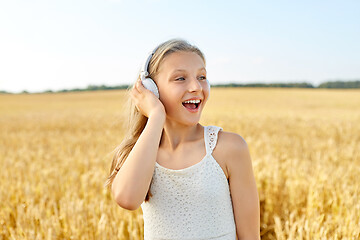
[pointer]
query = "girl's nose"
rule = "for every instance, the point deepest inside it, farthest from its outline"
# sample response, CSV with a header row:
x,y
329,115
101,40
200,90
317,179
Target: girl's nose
x,y
194,85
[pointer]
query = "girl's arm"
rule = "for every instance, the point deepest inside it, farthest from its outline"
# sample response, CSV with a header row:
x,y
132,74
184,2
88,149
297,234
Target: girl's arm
x,y
132,182
243,189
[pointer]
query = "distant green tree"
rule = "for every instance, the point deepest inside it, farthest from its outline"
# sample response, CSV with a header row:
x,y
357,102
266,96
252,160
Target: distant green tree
x,y
286,85
340,84
334,84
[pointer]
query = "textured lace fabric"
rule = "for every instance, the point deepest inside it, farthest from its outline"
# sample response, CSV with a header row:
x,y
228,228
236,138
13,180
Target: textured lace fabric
x,y
190,203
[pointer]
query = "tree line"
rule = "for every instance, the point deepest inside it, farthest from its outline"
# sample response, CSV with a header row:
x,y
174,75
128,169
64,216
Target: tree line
x,y
332,84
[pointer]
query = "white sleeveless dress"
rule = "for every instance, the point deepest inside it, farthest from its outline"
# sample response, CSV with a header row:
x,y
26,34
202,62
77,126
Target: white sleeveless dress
x,y
190,203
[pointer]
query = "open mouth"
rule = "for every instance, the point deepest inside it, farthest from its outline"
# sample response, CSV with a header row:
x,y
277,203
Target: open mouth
x,y
192,106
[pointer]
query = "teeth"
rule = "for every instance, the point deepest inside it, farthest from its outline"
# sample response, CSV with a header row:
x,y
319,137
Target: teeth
x,y
193,101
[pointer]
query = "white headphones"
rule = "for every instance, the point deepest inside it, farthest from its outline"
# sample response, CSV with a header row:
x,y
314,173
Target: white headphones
x,y
148,82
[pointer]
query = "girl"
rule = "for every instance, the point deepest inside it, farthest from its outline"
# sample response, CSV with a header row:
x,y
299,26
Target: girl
x,y
191,181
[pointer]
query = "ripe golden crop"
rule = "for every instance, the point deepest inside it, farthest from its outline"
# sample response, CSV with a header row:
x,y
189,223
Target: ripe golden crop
x,y
56,151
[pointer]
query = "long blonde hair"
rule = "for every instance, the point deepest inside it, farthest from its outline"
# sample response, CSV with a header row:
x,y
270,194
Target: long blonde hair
x,y
136,121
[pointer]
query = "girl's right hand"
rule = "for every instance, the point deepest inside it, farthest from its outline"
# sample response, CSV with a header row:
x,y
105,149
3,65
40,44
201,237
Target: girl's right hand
x,y
145,101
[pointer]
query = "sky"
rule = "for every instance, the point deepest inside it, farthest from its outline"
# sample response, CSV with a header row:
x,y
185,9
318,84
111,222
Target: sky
x,y
54,45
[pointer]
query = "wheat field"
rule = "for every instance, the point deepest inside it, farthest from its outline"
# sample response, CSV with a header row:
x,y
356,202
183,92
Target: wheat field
x,y
56,151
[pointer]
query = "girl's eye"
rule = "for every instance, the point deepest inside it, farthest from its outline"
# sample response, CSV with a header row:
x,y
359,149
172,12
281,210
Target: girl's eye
x,y
181,78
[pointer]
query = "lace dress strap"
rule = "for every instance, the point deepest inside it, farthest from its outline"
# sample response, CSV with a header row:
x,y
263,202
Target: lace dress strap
x,y
211,136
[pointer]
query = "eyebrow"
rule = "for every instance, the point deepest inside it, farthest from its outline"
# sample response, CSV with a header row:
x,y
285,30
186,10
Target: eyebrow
x,y
183,70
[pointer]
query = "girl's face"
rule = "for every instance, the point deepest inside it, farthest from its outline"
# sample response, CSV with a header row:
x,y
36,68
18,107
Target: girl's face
x,y
182,76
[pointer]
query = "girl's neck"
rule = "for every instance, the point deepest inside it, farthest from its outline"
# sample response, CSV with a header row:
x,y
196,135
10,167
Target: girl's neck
x,y
175,134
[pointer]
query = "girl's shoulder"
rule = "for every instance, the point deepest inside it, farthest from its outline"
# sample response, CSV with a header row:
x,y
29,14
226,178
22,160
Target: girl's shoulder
x,y
230,147
230,140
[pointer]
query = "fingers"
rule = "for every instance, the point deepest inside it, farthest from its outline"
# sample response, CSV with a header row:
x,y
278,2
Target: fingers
x,y
138,92
140,87
135,93
135,88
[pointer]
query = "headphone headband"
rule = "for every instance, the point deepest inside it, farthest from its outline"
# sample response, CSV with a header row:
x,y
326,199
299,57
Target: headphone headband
x,y
144,71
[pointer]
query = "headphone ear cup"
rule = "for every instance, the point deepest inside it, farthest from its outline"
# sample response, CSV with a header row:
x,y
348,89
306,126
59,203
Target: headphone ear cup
x,y
151,85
